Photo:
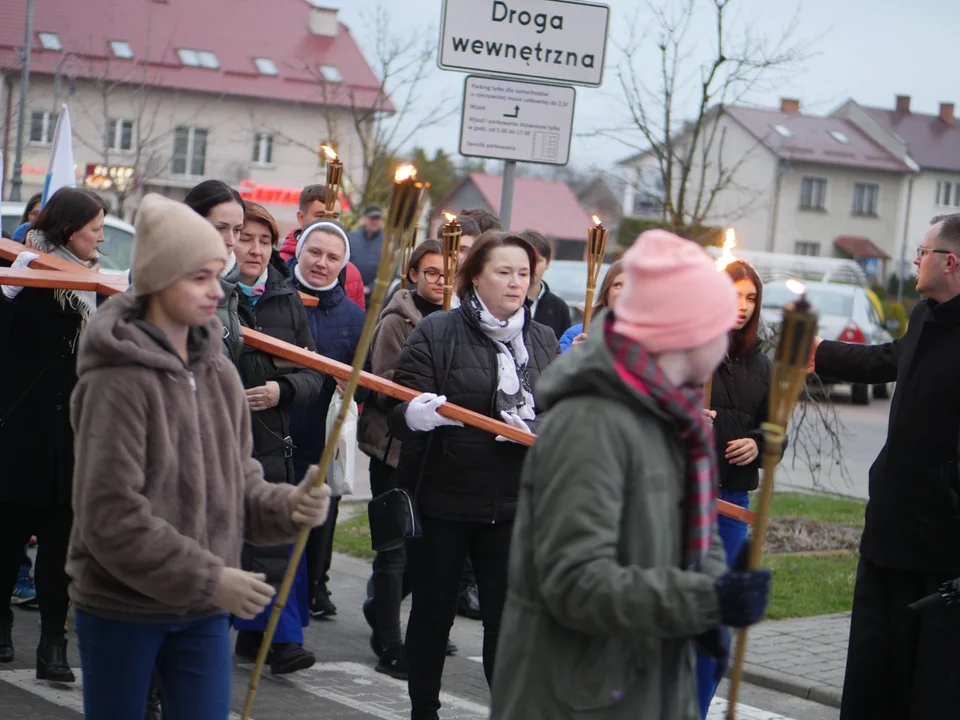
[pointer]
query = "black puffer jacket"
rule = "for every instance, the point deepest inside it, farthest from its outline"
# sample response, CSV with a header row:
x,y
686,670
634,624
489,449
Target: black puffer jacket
x,y
741,398
552,311
468,476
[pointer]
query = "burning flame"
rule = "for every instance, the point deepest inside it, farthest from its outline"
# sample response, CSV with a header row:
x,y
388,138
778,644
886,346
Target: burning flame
x,y
329,152
449,216
726,252
596,220
405,172
795,286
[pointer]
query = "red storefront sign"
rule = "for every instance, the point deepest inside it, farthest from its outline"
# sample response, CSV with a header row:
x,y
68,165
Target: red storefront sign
x,y
266,194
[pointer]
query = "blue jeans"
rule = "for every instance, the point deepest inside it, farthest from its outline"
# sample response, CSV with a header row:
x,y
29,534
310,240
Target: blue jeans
x,y
193,661
733,533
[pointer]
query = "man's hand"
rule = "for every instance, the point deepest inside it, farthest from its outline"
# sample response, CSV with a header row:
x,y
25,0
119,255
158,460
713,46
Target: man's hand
x,y
264,397
742,452
812,362
582,337
710,416
243,594
310,505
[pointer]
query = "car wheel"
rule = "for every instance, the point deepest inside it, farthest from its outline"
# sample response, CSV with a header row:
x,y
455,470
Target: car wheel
x,y
860,394
881,392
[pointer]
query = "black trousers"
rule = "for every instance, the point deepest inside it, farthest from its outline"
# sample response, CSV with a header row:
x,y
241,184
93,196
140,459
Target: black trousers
x,y
320,550
52,526
435,565
390,584
900,665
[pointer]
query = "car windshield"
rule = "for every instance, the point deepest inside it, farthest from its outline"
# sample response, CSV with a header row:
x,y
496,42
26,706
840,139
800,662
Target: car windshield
x,y
568,279
116,248
827,301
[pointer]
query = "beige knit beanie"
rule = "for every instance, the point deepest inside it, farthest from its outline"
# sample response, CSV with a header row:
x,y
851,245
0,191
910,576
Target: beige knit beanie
x,y
172,241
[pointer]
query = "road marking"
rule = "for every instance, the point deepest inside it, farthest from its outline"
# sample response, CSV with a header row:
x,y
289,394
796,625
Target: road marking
x,y
718,711
67,695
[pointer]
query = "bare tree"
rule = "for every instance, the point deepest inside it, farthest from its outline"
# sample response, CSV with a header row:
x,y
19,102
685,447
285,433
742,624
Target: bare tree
x,y
690,154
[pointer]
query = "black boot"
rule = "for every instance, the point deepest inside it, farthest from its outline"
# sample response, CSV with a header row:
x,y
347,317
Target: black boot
x,y
52,660
469,603
248,645
290,657
6,642
451,647
393,662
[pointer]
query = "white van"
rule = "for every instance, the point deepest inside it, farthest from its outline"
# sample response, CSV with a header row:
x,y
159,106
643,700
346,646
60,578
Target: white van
x,y
783,266
117,236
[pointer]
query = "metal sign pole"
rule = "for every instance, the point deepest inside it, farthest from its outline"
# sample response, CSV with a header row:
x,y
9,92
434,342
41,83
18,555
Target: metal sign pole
x,y
506,193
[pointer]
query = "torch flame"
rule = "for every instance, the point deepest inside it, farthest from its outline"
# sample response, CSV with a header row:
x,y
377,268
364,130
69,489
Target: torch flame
x,y
726,252
795,286
596,220
329,152
449,216
405,172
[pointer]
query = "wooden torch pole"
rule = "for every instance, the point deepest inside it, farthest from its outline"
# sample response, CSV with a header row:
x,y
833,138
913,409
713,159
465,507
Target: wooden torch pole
x,y
596,251
450,235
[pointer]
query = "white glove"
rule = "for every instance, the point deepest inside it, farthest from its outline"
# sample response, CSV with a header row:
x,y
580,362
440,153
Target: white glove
x,y
513,420
23,260
421,414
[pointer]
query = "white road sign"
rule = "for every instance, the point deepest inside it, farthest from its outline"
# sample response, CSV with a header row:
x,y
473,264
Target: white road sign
x,y
514,120
561,40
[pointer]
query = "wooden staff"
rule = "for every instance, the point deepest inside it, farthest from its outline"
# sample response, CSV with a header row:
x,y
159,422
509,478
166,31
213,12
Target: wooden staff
x,y
78,278
407,242
787,377
406,201
450,235
596,251
334,179
707,392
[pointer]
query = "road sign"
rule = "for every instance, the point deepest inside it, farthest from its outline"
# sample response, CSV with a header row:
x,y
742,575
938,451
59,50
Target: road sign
x,y
559,40
513,120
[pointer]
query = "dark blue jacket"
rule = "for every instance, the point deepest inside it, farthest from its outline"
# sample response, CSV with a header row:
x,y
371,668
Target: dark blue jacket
x,y
365,253
335,324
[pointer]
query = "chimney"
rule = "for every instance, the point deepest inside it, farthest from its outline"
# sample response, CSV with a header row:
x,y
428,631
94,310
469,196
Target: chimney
x,y
323,20
946,113
789,105
903,104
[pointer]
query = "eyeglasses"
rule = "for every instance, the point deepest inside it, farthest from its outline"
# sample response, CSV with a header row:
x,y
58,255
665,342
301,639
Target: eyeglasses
x,y
432,275
921,251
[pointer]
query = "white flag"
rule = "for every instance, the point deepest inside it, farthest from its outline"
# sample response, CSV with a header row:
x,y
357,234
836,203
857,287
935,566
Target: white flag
x,y
61,171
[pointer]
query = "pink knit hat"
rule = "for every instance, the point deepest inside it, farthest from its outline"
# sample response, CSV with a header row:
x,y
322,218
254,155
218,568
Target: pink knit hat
x,y
674,298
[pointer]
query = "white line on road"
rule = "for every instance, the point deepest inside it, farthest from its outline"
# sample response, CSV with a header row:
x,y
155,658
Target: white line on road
x,y
718,711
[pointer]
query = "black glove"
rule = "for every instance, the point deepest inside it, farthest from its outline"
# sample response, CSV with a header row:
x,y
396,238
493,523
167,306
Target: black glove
x,y
950,591
743,597
716,644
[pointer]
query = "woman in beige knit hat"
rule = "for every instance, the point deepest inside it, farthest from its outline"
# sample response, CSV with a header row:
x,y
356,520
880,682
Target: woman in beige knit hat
x,y
166,488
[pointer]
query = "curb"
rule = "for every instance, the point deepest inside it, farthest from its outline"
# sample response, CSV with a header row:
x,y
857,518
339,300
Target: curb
x,y
781,682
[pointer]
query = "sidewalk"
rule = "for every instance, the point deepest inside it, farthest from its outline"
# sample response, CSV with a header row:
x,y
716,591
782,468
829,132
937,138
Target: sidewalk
x,y
804,657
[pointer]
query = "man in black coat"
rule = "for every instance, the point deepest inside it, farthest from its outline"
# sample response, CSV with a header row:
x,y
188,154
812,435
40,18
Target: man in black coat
x,y
547,308
901,665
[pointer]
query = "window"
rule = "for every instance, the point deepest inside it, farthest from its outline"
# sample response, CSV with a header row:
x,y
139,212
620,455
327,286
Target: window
x,y
189,151
266,66
120,135
208,60
189,57
956,195
121,49
805,247
943,193
646,205
813,194
784,131
42,126
263,149
331,74
50,41
865,198
839,137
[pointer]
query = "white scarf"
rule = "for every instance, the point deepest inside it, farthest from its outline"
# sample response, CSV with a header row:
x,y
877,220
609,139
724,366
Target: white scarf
x,y
83,301
332,229
231,264
514,393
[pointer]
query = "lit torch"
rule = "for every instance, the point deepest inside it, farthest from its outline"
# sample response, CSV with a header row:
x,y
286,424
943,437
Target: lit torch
x,y
450,235
334,177
596,251
726,257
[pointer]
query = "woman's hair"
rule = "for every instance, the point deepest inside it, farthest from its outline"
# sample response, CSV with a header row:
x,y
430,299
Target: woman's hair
x,y
476,260
66,212
427,247
743,340
613,272
31,204
210,193
255,212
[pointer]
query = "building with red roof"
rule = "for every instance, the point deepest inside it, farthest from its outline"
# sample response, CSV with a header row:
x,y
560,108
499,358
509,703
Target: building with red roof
x,y
183,90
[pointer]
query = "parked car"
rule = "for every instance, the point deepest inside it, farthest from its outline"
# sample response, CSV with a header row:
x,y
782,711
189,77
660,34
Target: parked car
x,y
117,236
568,279
846,313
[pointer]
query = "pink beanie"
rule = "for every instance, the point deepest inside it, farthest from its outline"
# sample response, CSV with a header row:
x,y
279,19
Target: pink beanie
x,y
674,298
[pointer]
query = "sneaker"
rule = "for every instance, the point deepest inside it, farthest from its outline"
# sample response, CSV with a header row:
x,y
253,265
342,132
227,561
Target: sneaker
x,y
393,662
290,657
24,593
469,604
321,606
451,648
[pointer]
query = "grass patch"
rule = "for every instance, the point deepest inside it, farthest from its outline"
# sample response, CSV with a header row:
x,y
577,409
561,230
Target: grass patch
x,y
810,584
353,536
822,508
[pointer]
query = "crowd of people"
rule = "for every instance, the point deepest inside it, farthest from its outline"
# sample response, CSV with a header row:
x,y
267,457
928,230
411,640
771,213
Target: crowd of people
x,y
170,465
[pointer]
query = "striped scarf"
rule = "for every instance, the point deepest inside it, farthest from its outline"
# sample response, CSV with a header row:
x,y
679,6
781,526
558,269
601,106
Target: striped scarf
x,y
685,405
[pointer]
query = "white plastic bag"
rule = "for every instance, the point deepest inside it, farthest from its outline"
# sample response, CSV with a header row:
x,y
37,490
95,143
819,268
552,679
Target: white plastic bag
x,y
340,475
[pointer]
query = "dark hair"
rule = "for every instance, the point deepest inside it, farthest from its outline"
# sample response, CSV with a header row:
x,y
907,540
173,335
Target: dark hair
x,y
476,260
5,235
950,230
255,212
613,272
311,194
468,226
485,220
66,212
743,340
31,204
540,244
210,193
427,247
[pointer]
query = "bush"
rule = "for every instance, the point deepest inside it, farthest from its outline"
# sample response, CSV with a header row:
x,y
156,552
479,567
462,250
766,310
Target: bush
x,y
704,235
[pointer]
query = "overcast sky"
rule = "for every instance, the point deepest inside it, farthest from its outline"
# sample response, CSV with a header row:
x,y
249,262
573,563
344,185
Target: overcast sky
x,y
870,50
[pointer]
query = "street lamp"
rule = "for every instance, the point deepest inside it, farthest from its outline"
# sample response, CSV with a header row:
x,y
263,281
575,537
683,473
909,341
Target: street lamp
x,y
16,181
56,81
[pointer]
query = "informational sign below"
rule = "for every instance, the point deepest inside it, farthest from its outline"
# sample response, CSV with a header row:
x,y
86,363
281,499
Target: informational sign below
x,y
560,40
513,120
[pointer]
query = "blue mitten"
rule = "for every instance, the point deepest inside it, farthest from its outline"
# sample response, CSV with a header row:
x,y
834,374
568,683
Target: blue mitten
x,y
716,644
743,597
